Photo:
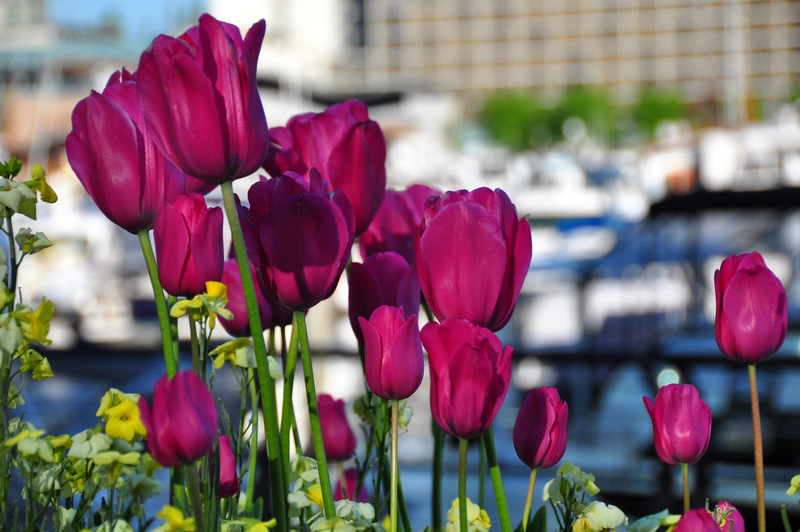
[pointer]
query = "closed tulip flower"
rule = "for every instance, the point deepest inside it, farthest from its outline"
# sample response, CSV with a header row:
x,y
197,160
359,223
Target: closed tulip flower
x,y
116,161
394,364
750,324
540,432
182,423
344,145
188,241
681,424
383,279
396,223
470,373
472,256
201,101
271,315
228,477
350,484
337,436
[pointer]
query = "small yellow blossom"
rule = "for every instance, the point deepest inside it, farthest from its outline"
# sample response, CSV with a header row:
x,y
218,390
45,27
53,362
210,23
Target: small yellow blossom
x,y
795,485
314,494
124,421
174,520
38,182
477,518
239,352
35,324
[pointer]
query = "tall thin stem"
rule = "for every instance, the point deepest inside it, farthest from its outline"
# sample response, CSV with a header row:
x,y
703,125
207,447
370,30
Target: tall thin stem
x,y
438,466
251,476
685,473
462,484
758,449
395,467
170,358
193,483
287,412
497,481
266,384
526,512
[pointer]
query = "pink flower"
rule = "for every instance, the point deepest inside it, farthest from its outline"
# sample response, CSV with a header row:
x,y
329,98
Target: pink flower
x,y
345,146
728,517
188,241
201,101
699,520
750,325
472,256
337,436
182,423
350,484
113,155
540,432
271,315
681,424
228,477
393,353
470,374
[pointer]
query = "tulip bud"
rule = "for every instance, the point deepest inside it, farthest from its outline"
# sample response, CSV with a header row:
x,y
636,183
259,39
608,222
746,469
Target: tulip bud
x,y
394,364
540,432
228,477
681,424
350,484
337,436
182,423
750,324
271,315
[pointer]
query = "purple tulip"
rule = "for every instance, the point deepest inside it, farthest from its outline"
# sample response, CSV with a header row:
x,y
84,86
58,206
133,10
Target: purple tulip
x,y
305,239
239,326
681,424
540,432
470,374
472,256
350,484
699,520
201,101
750,324
344,145
188,239
182,424
383,279
114,157
337,436
396,223
228,477
394,364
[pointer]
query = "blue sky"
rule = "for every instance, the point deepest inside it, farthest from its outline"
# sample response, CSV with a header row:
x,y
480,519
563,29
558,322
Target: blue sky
x,y
141,19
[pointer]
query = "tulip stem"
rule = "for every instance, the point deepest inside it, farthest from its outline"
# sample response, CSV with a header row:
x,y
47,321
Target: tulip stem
x,y
287,412
685,474
313,414
266,384
526,512
497,481
251,468
170,358
462,484
193,483
395,466
438,461
758,449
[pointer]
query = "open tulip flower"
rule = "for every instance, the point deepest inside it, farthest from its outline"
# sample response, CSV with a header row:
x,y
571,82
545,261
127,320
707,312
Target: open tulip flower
x,y
345,146
470,375
472,256
681,424
182,422
112,153
201,101
750,324
540,432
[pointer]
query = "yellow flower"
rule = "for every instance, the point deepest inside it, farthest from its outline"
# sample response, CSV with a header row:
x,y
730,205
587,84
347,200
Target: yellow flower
x,y
175,521
477,518
35,324
38,182
314,494
238,351
124,421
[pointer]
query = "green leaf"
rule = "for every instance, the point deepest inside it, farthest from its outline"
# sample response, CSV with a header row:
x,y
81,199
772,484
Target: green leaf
x,y
539,521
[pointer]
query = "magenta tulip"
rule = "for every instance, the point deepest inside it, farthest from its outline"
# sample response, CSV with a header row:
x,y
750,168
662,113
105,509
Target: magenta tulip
x,y
350,485
470,374
540,432
472,255
271,315
681,424
750,324
394,364
182,423
114,157
337,436
305,239
344,145
188,241
383,279
228,477
201,101
728,517
396,223
699,520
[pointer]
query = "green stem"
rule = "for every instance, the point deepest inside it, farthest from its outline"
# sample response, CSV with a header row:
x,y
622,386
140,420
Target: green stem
x,y
481,473
438,466
12,249
462,484
170,355
267,385
685,473
287,413
251,476
785,520
526,512
395,467
497,482
758,449
193,483
313,414
195,347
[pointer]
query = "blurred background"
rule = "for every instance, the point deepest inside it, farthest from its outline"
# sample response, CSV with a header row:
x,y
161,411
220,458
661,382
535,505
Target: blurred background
x,y
646,140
